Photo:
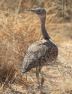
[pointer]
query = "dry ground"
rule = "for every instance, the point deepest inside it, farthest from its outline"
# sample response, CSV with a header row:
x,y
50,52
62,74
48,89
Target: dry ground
x,y
16,34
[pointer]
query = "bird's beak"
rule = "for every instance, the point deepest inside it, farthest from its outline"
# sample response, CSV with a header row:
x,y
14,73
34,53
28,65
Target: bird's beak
x,y
32,10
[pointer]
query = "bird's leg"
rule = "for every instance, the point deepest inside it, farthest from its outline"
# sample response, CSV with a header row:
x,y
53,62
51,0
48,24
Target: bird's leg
x,y
37,76
42,78
40,81
40,67
26,76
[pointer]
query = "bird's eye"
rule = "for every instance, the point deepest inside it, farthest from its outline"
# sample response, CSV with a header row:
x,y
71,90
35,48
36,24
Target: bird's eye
x,y
39,11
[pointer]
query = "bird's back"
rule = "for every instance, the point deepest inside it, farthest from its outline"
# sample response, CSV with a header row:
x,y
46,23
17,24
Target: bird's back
x,y
40,53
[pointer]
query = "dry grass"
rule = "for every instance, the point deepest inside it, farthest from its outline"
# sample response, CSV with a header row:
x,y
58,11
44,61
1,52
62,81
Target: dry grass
x,y
17,32
7,72
15,36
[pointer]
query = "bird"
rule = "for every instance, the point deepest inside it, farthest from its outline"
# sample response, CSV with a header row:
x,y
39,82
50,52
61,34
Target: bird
x,y
43,52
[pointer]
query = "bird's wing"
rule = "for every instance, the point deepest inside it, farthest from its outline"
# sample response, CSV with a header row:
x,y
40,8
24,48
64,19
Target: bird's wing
x,y
34,54
37,51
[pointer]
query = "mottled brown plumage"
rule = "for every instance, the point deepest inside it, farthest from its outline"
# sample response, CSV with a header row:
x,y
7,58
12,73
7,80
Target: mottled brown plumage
x,y
41,53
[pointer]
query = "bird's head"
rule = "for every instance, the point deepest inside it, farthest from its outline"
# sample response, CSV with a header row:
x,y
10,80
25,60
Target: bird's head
x,y
41,12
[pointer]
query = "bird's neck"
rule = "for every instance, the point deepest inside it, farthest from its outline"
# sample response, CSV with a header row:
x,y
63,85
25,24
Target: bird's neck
x,y
43,30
